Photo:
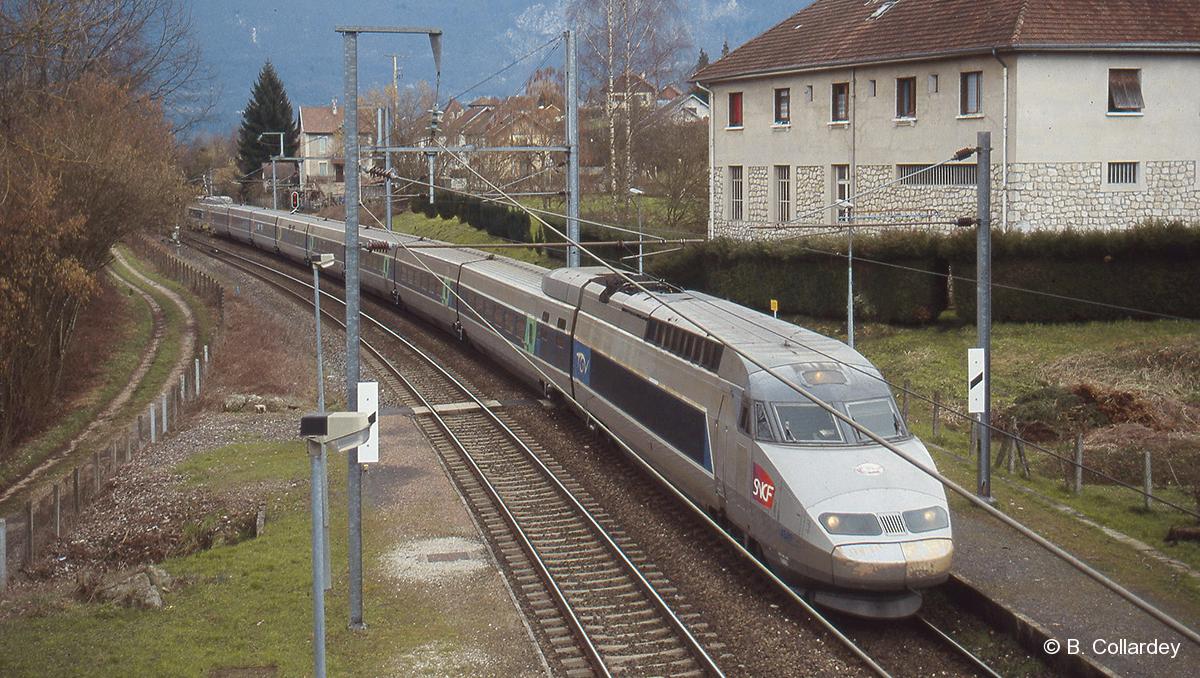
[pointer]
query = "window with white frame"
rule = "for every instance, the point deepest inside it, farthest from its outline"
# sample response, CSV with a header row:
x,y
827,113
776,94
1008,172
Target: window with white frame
x,y
840,111
906,98
736,187
841,192
783,193
970,93
783,106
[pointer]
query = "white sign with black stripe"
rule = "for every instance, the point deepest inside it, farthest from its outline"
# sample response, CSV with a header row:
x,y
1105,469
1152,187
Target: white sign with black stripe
x,y
368,403
976,383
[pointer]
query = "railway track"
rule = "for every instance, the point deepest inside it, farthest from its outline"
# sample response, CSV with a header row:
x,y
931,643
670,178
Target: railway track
x,y
597,603
599,607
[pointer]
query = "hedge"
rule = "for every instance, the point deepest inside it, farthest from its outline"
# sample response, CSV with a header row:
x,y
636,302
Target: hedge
x,y
1151,267
808,281
496,219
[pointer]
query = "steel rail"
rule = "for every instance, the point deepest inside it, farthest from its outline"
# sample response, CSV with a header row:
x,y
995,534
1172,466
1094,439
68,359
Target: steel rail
x,y
696,509
958,647
543,570
792,383
706,660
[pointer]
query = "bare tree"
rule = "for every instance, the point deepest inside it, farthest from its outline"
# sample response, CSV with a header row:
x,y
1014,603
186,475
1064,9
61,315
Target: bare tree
x,y
86,158
626,41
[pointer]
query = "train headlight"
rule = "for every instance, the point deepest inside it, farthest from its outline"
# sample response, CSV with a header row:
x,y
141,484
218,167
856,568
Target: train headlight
x,y
926,519
850,523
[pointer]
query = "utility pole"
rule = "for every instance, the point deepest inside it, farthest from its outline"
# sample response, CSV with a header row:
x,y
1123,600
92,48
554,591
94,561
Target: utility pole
x,y
573,150
354,470
387,164
983,310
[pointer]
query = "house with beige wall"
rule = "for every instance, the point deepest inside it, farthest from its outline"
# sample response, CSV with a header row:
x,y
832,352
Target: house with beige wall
x,y
322,147
1094,115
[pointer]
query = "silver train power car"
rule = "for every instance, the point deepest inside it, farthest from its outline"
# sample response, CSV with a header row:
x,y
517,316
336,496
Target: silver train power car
x,y
847,521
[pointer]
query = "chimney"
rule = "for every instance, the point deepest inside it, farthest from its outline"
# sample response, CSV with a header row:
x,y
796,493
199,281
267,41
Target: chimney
x,y
335,105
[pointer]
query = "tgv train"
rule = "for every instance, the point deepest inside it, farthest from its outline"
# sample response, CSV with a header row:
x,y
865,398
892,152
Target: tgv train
x,y
847,521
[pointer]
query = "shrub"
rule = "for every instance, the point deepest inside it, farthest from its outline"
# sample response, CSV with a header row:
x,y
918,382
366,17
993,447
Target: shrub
x,y
1149,267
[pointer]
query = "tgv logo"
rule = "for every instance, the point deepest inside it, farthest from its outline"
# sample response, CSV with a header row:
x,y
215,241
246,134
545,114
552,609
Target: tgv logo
x,y
581,363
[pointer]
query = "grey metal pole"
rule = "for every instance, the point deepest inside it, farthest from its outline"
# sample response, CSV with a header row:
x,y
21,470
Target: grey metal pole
x,y
318,587
572,150
321,408
196,381
153,426
641,237
850,287
164,413
983,318
274,187
354,473
387,165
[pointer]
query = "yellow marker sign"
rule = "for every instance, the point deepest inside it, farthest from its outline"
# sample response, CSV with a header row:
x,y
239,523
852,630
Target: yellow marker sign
x,y
774,305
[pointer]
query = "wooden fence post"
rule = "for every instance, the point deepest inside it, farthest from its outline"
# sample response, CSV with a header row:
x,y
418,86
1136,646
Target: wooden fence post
x,y
1147,479
1078,463
29,532
57,511
937,413
904,403
95,473
75,489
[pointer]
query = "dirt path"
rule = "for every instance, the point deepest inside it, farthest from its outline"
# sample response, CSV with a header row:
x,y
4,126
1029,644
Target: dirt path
x,y
187,344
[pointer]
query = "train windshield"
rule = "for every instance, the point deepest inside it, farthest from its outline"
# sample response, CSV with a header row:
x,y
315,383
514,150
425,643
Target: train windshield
x,y
879,416
806,423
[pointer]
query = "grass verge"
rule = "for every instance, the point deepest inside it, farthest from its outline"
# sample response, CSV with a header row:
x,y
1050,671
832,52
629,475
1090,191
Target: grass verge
x,y
455,231
244,605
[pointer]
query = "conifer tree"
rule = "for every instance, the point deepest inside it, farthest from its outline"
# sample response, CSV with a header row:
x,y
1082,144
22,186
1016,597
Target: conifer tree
x,y
267,111
725,48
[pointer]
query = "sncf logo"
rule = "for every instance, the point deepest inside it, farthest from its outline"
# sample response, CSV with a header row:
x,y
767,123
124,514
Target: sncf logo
x,y
764,487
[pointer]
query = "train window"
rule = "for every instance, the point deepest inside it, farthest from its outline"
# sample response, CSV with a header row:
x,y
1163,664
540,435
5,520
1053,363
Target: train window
x,y
762,423
545,316
879,416
744,418
807,424
562,324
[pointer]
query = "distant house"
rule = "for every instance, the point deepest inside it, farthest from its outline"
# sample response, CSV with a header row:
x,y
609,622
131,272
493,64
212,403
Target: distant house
x,y
321,144
686,108
1092,107
513,121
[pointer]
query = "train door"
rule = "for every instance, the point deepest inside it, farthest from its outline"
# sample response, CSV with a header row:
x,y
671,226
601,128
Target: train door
x,y
736,474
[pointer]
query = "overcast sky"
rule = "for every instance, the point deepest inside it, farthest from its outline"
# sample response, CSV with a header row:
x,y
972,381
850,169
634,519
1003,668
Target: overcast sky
x,y
480,36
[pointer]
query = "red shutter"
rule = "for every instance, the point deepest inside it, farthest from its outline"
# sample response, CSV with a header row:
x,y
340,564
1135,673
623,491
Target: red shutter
x,y
735,109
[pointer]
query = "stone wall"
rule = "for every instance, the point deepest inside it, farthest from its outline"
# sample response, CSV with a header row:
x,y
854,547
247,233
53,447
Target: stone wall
x,y
1052,196
808,188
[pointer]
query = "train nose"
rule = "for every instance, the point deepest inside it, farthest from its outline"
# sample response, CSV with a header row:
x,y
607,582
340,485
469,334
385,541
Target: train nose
x,y
910,564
